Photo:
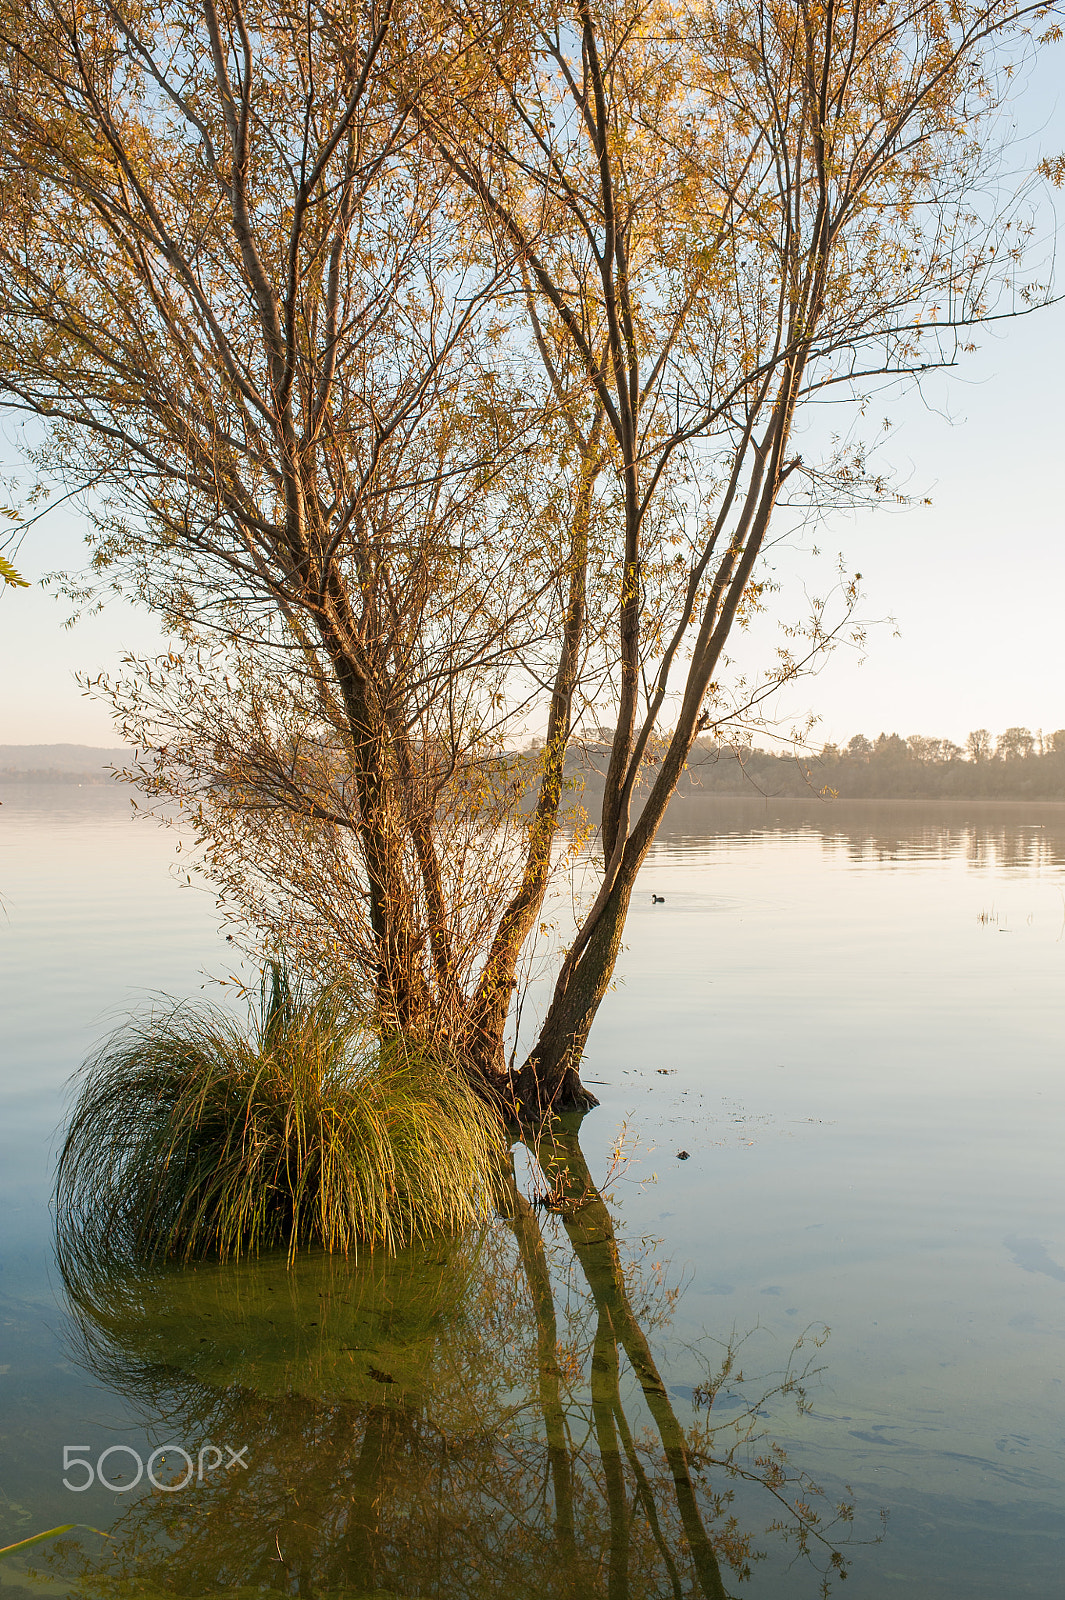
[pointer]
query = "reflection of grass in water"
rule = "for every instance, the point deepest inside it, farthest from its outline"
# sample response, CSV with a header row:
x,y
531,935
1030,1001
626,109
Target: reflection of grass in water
x,y
350,1477
375,1330
101,1587
192,1137
497,1464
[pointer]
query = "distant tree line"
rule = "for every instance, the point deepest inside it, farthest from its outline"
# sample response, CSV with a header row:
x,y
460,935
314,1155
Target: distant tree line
x,y
1018,765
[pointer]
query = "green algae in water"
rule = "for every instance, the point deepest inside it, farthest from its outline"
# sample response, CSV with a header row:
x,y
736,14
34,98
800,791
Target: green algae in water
x,y
378,1330
482,1419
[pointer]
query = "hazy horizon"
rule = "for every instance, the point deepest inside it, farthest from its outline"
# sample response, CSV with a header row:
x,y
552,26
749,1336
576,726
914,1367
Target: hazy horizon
x,y
78,757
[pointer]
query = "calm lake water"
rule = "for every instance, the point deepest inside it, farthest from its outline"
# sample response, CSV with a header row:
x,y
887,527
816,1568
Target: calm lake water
x,y
849,1016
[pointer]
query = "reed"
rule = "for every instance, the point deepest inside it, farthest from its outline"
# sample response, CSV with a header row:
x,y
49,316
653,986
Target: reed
x,y
192,1137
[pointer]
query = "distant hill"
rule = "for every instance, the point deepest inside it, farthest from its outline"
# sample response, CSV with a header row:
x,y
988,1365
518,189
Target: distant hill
x,y
58,763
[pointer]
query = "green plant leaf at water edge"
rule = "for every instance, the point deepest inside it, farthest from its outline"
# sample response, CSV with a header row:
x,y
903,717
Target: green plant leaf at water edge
x,y
50,1533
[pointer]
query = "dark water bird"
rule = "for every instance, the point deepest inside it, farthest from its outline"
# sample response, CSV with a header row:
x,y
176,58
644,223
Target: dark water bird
x,y
658,899
683,1155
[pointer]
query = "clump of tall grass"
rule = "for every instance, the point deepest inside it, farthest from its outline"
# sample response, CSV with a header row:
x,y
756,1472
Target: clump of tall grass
x,y
193,1137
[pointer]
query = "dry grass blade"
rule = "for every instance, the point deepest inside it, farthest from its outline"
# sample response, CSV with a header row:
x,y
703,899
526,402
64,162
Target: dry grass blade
x,y
192,1137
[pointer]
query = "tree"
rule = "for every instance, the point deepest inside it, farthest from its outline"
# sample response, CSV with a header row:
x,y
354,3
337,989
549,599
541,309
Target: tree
x,y
1016,744
719,217
221,287
428,366
922,748
980,745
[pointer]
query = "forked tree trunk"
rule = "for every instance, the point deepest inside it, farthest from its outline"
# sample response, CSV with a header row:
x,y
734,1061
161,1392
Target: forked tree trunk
x,y
550,1080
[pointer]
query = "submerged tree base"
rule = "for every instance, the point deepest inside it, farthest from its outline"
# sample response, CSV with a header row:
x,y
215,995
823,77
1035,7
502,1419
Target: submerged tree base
x,y
537,1096
191,1137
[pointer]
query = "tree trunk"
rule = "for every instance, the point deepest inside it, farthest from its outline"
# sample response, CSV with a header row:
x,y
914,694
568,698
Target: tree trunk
x,y
591,1233
550,1077
538,1279
550,1080
402,993
490,1005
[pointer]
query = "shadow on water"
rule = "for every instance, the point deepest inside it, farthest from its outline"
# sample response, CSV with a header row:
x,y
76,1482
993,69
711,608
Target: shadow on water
x,y
481,1419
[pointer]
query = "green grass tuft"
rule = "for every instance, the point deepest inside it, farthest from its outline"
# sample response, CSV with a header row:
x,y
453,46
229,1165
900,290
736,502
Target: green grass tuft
x,y
191,1137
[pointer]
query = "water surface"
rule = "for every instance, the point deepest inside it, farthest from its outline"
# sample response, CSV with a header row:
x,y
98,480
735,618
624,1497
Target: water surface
x,y
849,1016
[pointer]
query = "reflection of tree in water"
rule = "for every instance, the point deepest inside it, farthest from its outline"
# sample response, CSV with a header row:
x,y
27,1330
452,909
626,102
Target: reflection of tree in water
x,y
1005,836
460,1422
1007,846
